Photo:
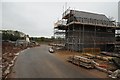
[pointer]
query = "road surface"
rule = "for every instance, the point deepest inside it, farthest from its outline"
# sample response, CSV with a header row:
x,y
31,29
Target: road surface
x,y
39,63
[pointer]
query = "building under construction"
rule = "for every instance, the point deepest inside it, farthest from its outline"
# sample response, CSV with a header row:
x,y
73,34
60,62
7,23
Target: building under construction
x,y
85,30
117,43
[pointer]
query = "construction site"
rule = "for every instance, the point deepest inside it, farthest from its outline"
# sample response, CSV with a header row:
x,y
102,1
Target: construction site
x,y
77,42
89,40
83,30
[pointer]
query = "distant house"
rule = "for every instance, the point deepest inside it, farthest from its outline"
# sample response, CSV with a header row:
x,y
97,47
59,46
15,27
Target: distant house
x,y
27,38
22,43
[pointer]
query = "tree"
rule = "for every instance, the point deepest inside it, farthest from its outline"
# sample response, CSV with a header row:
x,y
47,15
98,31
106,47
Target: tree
x,y
52,38
10,35
42,38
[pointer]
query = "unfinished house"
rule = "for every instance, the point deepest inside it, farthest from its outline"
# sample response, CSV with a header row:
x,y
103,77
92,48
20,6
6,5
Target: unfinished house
x,y
85,30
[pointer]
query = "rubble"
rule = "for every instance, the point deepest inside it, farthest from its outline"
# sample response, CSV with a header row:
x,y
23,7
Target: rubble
x,y
116,62
115,74
9,55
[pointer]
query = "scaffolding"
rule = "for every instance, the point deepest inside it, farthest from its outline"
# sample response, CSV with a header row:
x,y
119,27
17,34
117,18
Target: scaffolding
x,y
83,32
117,35
59,32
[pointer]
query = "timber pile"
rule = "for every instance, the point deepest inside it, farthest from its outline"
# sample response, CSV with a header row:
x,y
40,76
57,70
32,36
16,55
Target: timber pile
x,y
111,54
102,63
81,61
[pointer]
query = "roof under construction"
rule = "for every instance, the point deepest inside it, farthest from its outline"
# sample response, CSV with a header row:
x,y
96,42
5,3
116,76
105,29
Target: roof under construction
x,y
89,15
83,18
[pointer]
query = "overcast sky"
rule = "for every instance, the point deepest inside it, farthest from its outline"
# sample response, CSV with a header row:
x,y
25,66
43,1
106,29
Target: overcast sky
x,y
37,18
